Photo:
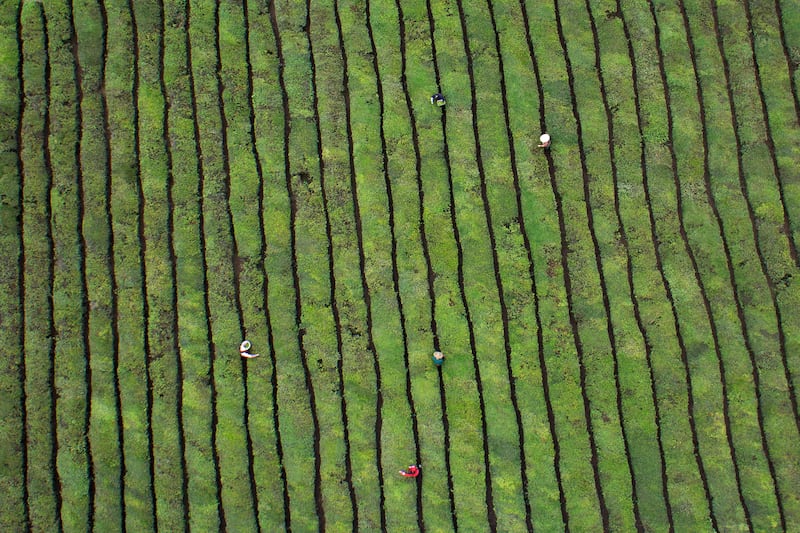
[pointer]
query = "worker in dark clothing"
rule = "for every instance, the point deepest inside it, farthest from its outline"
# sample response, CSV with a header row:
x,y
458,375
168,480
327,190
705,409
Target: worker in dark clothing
x,y
438,99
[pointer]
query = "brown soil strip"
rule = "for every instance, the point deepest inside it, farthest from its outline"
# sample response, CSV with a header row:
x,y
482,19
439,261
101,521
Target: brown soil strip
x,y
320,511
202,236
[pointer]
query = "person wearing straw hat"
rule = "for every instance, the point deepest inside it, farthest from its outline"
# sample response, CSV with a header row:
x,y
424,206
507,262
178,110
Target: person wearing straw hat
x,y
544,140
438,358
244,350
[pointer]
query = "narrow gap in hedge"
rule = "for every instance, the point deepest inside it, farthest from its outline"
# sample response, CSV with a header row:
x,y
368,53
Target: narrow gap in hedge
x,y
395,271
629,271
84,307
286,130
728,260
695,268
332,278
426,252
776,169
493,240
770,283
521,220
598,261
237,300
22,373
142,265
568,282
361,260
295,275
751,214
770,143
173,264
112,268
262,243
491,514
53,333
531,272
204,264
668,289
791,67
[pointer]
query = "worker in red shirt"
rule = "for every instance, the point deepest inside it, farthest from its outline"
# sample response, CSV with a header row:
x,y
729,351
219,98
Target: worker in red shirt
x,y
413,471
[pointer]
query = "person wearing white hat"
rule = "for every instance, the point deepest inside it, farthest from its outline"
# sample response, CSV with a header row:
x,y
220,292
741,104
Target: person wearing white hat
x,y
244,350
544,140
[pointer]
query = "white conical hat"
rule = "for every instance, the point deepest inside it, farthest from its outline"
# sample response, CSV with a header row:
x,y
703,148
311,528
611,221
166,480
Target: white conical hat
x,y
244,346
544,137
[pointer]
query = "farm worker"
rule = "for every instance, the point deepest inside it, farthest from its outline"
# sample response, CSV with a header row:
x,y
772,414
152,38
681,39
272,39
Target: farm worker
x,y
438,358
413,471
544,140
438,99
244,350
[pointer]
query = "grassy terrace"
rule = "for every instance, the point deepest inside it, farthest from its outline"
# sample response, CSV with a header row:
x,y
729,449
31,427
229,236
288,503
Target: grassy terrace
x,y
14,488
618,312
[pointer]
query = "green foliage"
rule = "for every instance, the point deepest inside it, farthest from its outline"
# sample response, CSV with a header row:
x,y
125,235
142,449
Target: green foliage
x,y
634,280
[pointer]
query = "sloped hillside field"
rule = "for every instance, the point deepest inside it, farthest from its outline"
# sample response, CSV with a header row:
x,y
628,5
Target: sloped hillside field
x,y
618,311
